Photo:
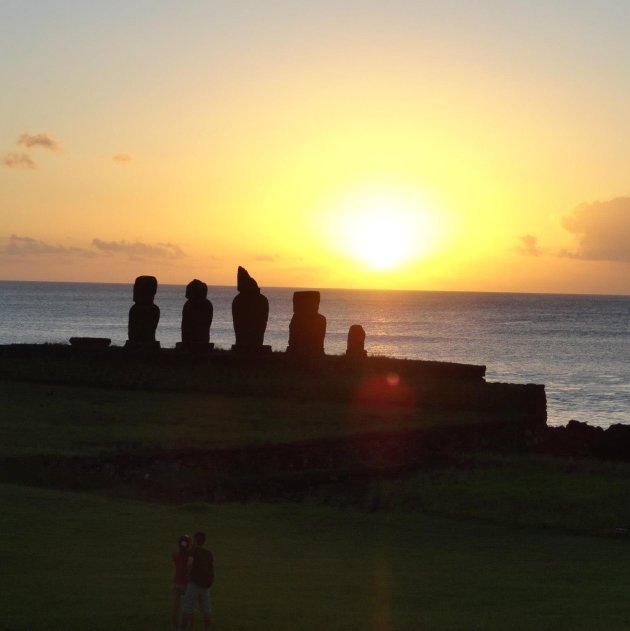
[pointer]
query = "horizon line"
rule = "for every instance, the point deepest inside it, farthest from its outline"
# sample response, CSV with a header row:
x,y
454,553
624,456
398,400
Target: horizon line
x,y
299,288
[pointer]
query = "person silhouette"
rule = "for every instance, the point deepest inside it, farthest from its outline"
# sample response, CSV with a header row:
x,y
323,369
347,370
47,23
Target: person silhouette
x,y
200,565
180,577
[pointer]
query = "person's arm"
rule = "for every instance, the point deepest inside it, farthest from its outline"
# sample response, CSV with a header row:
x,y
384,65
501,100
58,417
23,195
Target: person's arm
x,y
211,569
189,565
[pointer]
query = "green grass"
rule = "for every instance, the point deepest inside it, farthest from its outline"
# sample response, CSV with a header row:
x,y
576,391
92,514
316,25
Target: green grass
x,y
579,496
66,420
74,562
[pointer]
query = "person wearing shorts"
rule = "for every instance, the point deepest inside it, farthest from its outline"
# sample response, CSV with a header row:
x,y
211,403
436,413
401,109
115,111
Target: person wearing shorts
x,y
200,579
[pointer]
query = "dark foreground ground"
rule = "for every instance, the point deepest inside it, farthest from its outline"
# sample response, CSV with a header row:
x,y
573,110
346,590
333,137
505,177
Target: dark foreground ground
x,y
490,534
74,561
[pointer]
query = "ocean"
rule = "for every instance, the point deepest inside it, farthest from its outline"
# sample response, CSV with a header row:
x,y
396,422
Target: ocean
x,y
578,346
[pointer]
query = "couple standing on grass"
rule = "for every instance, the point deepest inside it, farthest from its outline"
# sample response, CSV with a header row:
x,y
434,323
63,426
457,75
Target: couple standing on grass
x,y
194,574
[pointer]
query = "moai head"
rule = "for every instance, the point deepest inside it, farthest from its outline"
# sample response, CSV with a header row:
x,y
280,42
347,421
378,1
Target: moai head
x,y
245,283
196,290
144,290
305,303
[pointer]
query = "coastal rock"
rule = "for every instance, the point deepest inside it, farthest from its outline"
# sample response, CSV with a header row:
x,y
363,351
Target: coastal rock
x,y
196,317
581,440
250,312
144,315
90,343
575,440
307,329
616,442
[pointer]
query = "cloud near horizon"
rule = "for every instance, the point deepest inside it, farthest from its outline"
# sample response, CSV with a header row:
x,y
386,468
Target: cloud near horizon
x,y
138,251
122,158
274,258
27,246
601,231
528,245
18,161
39,140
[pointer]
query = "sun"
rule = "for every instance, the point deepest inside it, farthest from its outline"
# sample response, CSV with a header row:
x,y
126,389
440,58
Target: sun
x,y
382,239
383,231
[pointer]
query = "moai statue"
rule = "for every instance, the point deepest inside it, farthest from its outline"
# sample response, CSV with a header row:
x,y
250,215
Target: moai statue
x,y
144,315
250,312
356,342
196,318
308,327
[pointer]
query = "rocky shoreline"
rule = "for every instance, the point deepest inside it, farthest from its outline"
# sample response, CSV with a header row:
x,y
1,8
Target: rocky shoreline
x,y
581,440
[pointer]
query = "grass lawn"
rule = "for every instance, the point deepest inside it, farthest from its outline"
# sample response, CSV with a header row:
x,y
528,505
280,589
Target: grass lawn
x,y
75,562
502,542
57,419
527,491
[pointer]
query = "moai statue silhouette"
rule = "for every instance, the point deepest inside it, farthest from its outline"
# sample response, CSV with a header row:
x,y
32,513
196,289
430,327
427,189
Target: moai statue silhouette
x,y
308,327
144,315
356,342
196,317
250,312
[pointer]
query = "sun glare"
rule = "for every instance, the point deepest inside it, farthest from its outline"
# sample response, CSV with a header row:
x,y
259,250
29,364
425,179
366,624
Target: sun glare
x,y
384,231
381,241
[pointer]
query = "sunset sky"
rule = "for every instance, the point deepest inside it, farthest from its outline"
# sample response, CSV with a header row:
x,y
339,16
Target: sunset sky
x,y
407,145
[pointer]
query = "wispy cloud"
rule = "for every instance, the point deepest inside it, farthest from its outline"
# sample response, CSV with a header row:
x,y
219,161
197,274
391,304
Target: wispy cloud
x,y
18,161
137,250
38,140
122,158
28,247
528,245
275,258
600,230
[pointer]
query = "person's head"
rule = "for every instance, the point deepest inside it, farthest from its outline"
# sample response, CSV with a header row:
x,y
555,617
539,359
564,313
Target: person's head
x,y
199,538
184,544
